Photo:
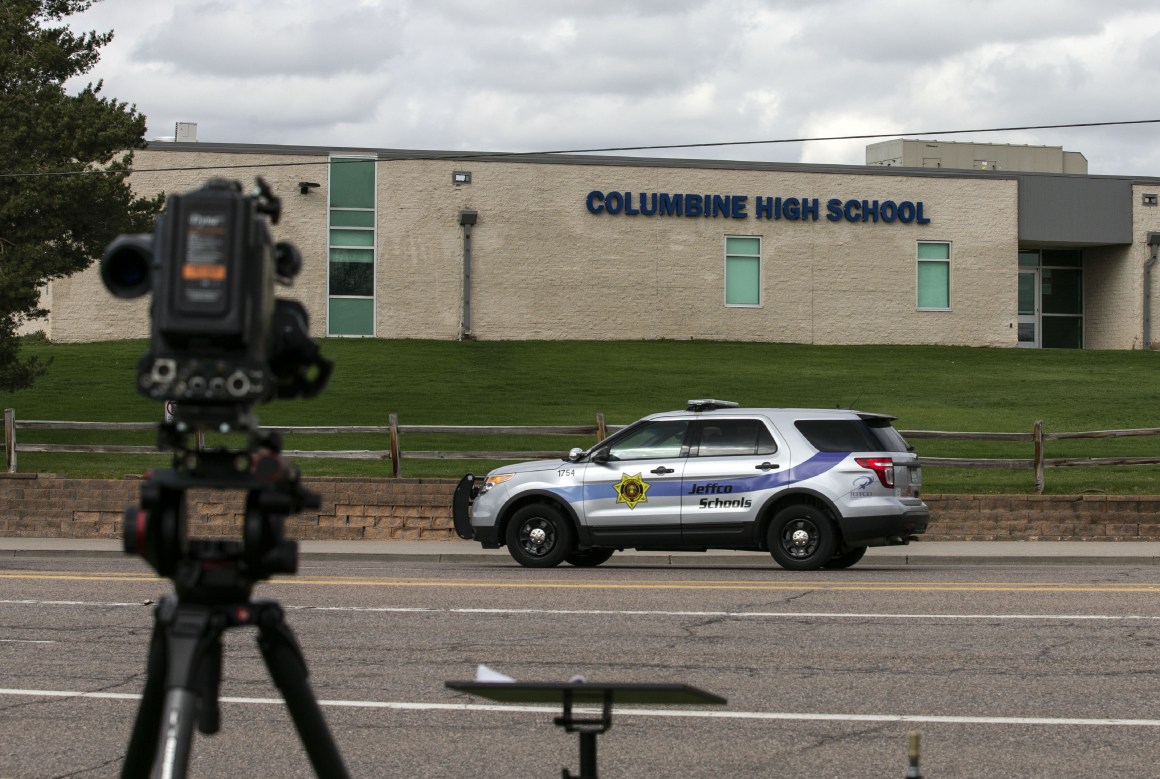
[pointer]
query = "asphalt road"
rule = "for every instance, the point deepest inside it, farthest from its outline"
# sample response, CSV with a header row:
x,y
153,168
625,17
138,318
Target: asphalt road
x,y
1051,671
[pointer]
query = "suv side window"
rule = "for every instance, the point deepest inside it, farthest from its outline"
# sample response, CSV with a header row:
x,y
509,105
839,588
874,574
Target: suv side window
x,y
850,435
725,437
651,441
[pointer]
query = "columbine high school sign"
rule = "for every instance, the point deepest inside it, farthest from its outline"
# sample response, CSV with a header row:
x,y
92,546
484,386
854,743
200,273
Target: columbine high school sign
x,y
794,209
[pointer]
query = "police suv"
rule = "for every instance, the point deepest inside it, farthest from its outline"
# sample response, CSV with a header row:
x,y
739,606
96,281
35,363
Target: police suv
x,y
813,487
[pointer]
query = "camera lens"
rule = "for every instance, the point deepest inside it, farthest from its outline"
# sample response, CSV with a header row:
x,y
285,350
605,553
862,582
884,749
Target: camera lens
x,y
125,266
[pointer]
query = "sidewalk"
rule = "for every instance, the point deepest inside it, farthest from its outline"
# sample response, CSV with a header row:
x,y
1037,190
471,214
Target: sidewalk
x,y
470,553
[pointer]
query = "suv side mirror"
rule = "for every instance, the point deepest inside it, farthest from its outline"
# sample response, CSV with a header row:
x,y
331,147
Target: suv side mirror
x,y
574,454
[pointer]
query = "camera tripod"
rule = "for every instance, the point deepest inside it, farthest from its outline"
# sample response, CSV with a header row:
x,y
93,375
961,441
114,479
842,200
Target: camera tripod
x,y
213,582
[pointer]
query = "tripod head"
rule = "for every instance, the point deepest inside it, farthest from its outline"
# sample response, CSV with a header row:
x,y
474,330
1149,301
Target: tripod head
x,y
211,570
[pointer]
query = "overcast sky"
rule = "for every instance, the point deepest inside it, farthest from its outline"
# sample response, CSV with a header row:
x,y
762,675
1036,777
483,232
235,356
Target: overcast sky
x,y
538,75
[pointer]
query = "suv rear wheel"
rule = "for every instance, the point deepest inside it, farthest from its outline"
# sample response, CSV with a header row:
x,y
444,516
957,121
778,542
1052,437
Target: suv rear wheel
x,y
801,538
538,536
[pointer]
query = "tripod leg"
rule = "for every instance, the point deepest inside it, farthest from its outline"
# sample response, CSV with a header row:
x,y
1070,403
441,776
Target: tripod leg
x,y
176,740
143,743
184,654
287,668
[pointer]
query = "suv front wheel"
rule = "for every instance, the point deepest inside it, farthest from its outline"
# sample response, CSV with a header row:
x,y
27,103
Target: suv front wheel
x,y
801,538
538,536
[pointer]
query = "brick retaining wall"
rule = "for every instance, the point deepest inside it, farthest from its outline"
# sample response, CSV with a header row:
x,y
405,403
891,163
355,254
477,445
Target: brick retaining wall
x,y
419,509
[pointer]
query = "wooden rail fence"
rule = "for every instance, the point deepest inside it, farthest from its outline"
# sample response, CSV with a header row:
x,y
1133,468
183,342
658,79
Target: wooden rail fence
x,y
393,433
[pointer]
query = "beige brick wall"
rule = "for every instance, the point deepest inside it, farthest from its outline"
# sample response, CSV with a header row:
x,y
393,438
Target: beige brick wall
x,y
39,505
544,267
82,310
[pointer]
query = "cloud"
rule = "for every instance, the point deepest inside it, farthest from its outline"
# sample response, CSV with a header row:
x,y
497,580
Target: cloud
x,y
519,76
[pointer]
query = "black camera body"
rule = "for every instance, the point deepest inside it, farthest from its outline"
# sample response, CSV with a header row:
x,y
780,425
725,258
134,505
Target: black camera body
x,y
221,341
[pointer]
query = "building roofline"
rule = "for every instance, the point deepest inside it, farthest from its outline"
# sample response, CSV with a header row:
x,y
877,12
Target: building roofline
x,y
540,158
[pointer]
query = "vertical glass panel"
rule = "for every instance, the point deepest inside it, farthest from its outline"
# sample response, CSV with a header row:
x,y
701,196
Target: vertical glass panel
x,y
1028,259
352,237
742,281
1066,258
750,247
934,251
352,278
1061,291
352,183
352,255
934,284
352,218
1027,294
352,316
1062,332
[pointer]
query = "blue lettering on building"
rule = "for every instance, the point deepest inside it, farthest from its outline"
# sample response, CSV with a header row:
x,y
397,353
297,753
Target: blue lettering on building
x,y
696,205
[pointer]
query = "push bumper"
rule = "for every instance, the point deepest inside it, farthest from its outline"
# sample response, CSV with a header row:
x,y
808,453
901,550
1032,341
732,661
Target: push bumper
x,y
461,500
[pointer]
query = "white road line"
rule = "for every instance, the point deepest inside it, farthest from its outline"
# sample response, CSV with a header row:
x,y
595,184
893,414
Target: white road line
x,y
644,613
24,641
69,603
635,712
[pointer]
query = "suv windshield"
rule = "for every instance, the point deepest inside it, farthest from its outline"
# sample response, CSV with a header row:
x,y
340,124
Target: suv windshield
x,y
852,435
650,440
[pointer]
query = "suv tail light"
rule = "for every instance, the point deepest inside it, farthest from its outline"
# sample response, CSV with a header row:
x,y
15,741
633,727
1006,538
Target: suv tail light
x,y
883,467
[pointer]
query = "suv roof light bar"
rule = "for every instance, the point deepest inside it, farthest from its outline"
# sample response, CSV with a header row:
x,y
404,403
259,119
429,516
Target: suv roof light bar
x,y
710,405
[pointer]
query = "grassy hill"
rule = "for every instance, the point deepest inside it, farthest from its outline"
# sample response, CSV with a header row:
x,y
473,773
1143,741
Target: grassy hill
x,y
483,382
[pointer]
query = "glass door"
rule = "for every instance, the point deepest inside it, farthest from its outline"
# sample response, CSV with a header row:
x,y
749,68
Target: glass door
x,y
1028,323
1051,299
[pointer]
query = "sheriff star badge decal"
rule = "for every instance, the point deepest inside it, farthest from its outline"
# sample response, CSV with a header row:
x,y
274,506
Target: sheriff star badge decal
x,y
631,490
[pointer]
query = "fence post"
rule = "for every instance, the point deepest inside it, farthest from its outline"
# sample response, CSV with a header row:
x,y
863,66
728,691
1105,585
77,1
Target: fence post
x,y
1037,437
396,455
601,430
10,439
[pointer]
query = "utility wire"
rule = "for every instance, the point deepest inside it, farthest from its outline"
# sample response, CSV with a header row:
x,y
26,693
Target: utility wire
x,y
656,147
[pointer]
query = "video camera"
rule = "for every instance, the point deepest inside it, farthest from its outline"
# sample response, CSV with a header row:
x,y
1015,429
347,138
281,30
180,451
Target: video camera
x,y
221,341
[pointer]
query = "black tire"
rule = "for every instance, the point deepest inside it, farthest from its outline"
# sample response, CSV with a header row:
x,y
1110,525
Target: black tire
x,y
538,536
589,558
801,538
846,559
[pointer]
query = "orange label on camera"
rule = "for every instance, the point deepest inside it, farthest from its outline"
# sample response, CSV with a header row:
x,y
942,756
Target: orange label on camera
x,y
203,272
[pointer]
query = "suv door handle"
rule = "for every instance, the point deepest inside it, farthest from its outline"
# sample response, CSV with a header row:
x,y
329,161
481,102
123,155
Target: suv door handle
x,y
767,466
660,470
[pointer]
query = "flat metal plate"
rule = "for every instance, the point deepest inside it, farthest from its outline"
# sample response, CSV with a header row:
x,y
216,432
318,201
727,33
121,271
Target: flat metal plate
x,y
587,692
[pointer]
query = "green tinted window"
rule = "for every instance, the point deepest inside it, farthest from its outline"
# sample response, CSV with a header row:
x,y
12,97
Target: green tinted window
x,y
352,278
352,183
934,251
934,275
352,316
352,218
934,287
352,255
742,271
352,238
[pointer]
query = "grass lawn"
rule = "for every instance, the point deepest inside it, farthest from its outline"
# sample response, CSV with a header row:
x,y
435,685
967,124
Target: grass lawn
x,y
567,383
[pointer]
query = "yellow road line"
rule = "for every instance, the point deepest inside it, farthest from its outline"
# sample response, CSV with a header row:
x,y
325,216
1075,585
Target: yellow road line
x,y
635,584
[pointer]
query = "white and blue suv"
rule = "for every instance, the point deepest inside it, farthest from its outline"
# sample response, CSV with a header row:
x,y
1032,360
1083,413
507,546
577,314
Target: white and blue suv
x,y
813,487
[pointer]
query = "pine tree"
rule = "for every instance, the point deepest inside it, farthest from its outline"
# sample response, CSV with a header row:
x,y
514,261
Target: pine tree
x,y
63,164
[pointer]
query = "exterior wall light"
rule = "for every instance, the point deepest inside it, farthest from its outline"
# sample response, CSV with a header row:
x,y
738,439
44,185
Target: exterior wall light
x,y
461,177
305,186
